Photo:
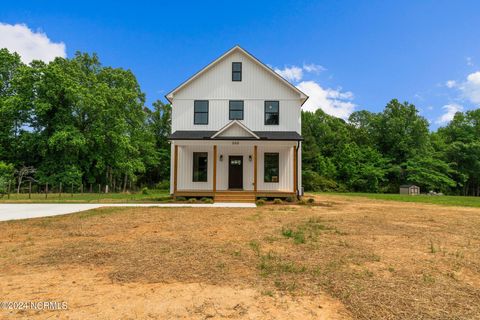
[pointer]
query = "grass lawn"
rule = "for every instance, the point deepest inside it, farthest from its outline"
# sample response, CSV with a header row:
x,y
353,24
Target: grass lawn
x,y
343,258
441,200
152,196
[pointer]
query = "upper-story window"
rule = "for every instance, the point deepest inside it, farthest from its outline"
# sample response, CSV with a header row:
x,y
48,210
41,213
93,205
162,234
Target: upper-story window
x,y
235,111
236,71
272,113
200,113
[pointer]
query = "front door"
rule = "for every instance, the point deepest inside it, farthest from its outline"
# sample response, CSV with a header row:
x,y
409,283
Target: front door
x,y
235,172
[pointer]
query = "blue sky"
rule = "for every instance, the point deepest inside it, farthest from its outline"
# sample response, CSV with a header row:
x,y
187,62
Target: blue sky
x,y
348,55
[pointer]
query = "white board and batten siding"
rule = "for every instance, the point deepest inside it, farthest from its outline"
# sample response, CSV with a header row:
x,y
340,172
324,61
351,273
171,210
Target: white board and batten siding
x,y
259,84
285,183
256,87
185,168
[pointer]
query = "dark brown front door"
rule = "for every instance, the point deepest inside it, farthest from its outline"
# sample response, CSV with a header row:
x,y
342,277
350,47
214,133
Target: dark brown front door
x,y
235,172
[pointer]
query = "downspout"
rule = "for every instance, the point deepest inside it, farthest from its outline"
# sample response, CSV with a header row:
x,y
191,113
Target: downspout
x,y
296,168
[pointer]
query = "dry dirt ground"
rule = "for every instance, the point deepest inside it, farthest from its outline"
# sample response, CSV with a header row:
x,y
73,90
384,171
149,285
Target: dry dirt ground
x,y
342,258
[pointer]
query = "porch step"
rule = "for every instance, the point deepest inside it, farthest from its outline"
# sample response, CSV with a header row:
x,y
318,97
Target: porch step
x,y
234,196
234,199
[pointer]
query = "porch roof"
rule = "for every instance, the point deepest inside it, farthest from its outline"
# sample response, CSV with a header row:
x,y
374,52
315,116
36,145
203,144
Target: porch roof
x,y
263,135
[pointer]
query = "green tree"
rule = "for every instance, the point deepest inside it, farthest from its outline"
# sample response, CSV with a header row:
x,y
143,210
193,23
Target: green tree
x,y
459,143
364,127
15,108
324,136
6,176
361,168
429,173
159,122
402,132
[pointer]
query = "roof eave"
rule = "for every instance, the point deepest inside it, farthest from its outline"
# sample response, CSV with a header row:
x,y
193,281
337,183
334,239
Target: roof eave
x,y
235,139
304,100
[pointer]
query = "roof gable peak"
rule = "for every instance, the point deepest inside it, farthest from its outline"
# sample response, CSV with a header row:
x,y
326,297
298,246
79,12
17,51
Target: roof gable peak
x,y
169,96
235,129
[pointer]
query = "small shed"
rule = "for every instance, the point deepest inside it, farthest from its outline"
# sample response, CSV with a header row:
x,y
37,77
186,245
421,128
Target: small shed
x,y
410,189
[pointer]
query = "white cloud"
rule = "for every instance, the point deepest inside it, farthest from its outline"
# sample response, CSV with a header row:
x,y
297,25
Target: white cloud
x,y
418,96
333,102
451,83
469,61
295,73
312,67
292,73
337,103
450,110
28,44
471,88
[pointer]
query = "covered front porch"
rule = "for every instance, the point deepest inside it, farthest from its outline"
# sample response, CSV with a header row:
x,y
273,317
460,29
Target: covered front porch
x,y
235,169
235,163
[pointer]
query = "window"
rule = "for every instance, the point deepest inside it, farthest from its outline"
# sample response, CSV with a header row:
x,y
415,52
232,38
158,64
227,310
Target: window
x,y
272,112
200,115
236,71
271,169
200,166
236,110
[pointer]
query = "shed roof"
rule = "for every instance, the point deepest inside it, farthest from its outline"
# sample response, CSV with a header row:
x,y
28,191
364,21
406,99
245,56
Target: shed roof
x,y
408,185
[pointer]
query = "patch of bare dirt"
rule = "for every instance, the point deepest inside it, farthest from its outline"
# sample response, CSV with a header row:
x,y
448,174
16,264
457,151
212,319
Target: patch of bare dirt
x,y
354,257
89,295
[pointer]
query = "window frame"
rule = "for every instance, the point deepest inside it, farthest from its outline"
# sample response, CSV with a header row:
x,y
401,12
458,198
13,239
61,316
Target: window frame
x,y
237,71
230,109
277,154
266,112
195,177
200,112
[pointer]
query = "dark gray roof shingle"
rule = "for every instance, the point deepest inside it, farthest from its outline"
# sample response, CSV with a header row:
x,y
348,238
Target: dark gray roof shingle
x,y
264,135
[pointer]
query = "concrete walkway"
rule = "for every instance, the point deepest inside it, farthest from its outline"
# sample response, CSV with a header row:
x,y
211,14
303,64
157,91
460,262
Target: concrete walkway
x,y
15,211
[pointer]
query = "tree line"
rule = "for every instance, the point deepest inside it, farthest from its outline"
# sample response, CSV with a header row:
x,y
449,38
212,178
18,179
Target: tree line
x,y
378,152
77,122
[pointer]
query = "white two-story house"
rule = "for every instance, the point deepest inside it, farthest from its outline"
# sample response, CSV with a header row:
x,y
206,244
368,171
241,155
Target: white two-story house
x,y
236,132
